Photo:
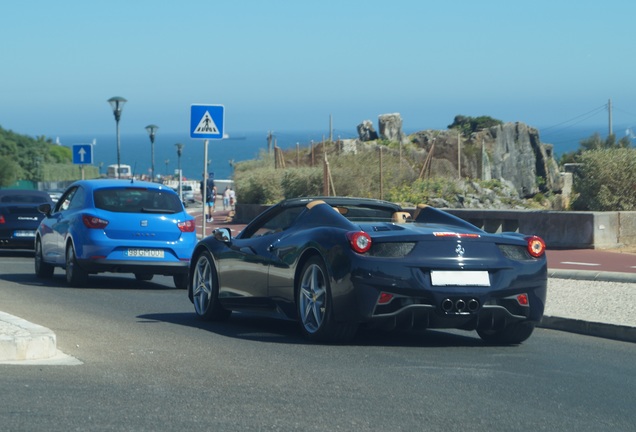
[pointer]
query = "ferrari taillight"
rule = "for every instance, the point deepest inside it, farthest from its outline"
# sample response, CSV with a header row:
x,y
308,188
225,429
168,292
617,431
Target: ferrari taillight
x,y
186,226
360,241
93,222
536,246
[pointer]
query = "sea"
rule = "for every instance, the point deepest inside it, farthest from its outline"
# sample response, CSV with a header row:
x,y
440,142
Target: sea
x,y
135,148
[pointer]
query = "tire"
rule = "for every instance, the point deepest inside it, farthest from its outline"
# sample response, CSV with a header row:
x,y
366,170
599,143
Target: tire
x,y
314,306
143,276
205,290
180,281
512,334
75,275
43,270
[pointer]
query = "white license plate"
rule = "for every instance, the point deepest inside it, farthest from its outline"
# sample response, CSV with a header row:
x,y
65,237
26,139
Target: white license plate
x,y
24,234
459,278
145,253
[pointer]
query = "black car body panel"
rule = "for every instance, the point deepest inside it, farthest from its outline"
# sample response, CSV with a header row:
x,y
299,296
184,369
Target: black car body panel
x,y
19,217
258,270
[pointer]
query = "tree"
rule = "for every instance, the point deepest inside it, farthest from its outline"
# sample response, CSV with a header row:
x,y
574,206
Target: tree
x,y
468,125
595,142
605,180
8,172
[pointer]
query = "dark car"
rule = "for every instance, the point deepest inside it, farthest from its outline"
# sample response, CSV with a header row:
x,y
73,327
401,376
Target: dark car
x,y
335,263
19,217
118,226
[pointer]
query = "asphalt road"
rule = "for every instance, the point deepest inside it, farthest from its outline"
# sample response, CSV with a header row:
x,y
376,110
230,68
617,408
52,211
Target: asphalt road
x,y
148,364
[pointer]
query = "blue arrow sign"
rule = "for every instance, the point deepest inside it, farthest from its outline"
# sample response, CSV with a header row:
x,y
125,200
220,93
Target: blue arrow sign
x,y
83,154
207,121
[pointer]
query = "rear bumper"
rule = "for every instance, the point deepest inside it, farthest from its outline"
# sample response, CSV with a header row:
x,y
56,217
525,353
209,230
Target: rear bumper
x,y
17,243
415,302
121,266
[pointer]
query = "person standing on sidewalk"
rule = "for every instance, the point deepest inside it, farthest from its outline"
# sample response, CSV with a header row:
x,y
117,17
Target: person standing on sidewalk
x,y
226,198
210,197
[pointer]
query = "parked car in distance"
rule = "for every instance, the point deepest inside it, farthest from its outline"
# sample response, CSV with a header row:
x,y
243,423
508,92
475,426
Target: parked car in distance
x,y
121,226
333,264
188,193
19,217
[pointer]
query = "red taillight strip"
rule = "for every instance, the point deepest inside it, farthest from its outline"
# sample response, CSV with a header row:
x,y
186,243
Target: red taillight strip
x,y
454,234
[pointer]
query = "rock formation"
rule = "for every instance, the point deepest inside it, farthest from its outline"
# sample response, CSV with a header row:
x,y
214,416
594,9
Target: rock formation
x,y
366,132
390,126
510,152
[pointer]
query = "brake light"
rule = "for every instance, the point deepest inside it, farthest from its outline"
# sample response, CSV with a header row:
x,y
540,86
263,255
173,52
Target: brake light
x,y
93,222
186,226
2,219
385,298
360,241
522,299
536,246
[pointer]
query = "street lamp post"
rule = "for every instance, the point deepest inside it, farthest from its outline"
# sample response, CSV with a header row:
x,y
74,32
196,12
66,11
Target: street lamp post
x,y
167,161
179,151
151,132
117,103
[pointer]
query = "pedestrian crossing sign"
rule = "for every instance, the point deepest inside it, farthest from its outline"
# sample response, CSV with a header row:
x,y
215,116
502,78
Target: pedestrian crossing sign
x,y
207,121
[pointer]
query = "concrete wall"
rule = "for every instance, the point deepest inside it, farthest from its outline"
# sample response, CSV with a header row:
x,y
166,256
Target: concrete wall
x,y
560,230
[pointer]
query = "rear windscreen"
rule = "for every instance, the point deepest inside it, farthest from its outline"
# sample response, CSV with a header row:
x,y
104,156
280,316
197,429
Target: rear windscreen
x,y
137,200
24,199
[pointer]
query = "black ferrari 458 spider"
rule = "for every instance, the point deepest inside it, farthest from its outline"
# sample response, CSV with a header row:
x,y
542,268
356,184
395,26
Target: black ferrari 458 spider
x,y
335,263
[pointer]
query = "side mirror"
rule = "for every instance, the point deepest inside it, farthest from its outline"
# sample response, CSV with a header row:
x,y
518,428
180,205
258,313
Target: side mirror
x,y
223,235
45,208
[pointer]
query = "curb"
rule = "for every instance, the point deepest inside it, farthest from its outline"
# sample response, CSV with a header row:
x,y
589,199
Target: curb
x,y
588,328
22,340
591,275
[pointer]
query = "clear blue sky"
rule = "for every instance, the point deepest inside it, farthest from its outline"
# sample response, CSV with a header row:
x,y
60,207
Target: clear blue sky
x,y
288,65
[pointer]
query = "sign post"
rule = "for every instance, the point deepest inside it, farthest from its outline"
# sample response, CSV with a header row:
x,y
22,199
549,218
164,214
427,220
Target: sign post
x,y
206,122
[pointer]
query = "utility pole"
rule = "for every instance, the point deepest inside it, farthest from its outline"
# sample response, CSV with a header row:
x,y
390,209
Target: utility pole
x,y
459,156
609,110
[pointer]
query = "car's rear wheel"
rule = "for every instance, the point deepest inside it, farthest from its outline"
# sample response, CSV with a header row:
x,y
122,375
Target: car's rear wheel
x,y
143,276
315,309
180,281
42,269
509,335
205,290
75,275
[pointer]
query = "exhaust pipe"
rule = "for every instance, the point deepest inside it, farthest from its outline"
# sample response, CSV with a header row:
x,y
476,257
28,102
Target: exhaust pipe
x,y
447,305
473,305
460,305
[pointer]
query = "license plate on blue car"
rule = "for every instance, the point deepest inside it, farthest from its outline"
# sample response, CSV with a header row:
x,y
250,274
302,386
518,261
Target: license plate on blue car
x,y
145,253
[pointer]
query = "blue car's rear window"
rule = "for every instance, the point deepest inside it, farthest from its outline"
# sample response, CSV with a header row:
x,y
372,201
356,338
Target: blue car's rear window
x,y
137,200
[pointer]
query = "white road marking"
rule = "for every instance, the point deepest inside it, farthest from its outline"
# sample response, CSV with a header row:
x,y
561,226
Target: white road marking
x,y
580,263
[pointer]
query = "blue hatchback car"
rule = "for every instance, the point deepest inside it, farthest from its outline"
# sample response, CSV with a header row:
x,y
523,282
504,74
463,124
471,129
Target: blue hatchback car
x,y
119,226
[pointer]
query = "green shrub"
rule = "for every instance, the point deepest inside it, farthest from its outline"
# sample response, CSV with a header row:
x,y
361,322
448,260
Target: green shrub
x,y
261,186
423,190
606,180
298,182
